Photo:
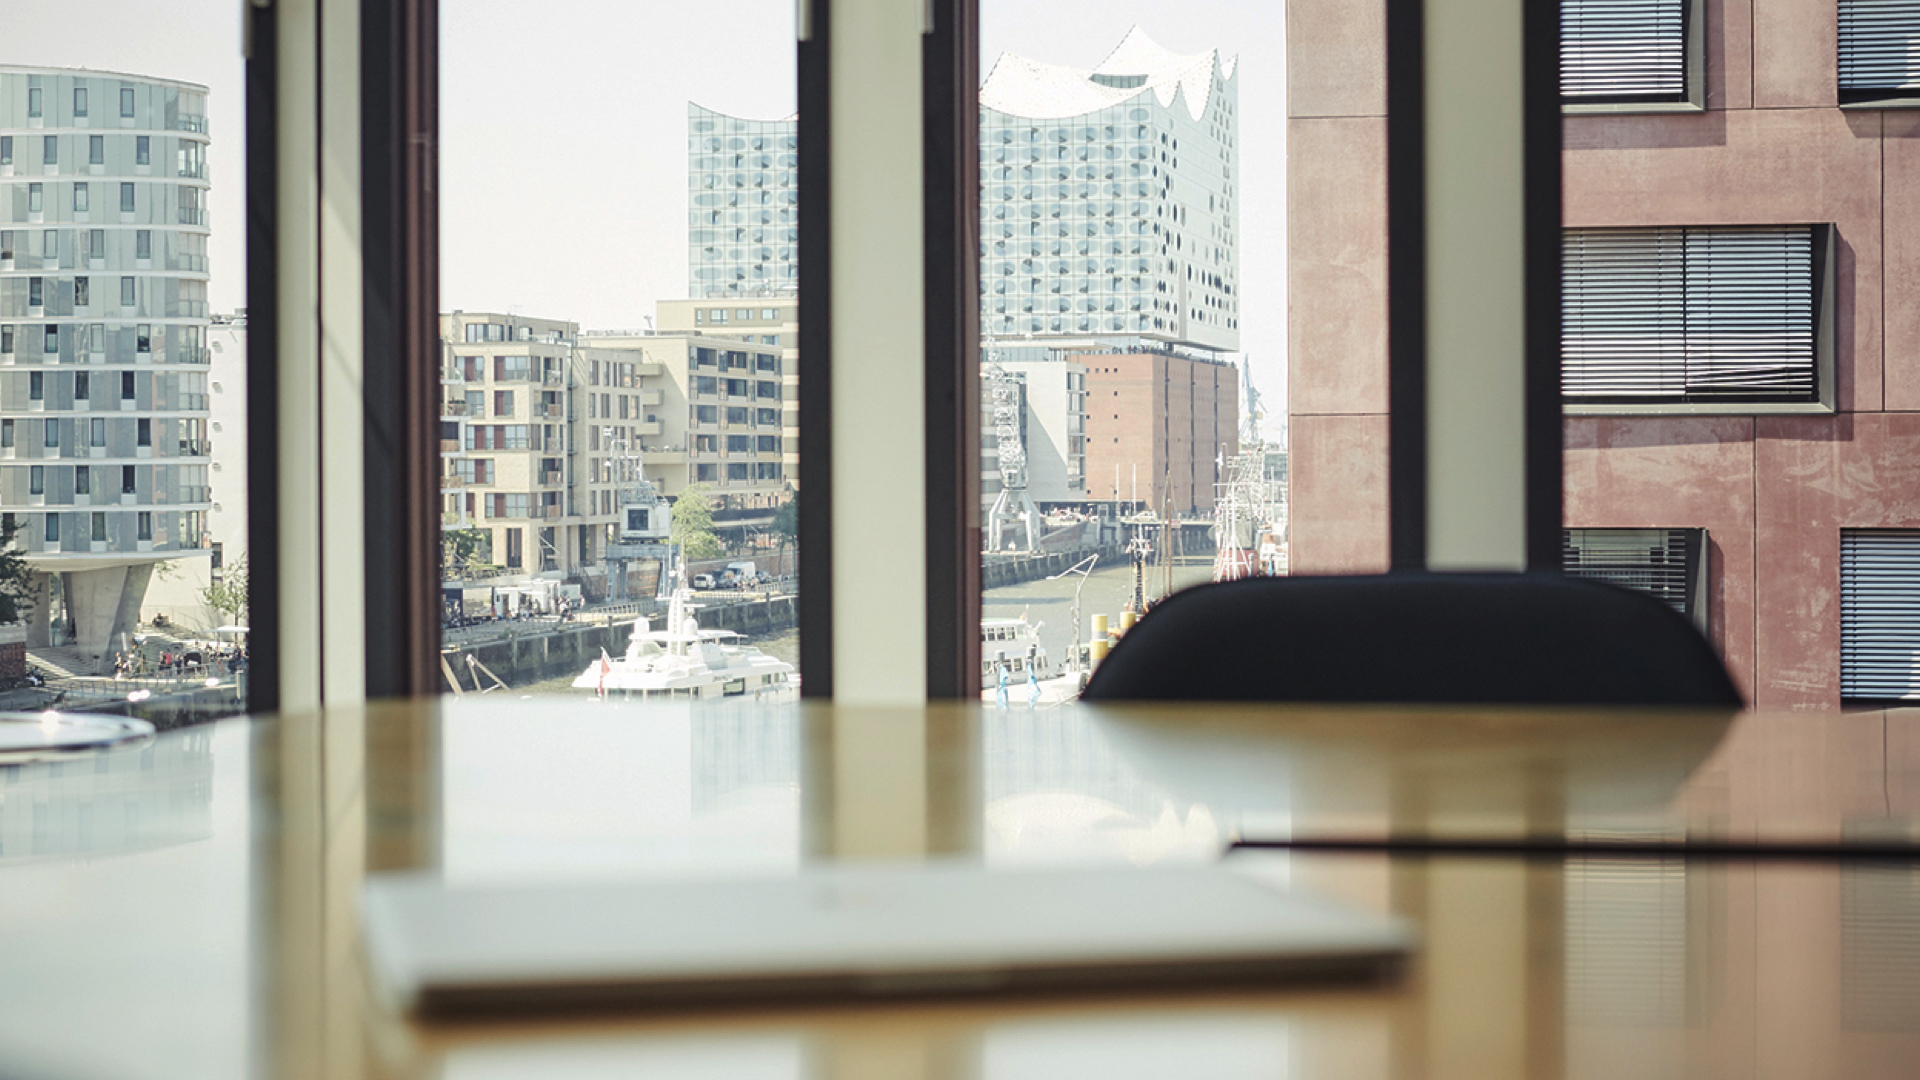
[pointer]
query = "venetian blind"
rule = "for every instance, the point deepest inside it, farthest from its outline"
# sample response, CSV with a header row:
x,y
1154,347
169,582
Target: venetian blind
x,y
1623,50
1653,561
1879,45
1685,314
1880,614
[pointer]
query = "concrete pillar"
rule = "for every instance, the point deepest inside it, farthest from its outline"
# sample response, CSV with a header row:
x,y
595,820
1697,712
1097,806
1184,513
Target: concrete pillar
x,y
40,619
105,603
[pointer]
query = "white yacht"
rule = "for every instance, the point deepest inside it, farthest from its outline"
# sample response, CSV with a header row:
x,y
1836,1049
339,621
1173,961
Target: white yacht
x,y
1013,645
689,664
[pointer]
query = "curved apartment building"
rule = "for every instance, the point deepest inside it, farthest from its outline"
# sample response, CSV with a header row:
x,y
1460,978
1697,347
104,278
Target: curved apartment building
x,y
103,337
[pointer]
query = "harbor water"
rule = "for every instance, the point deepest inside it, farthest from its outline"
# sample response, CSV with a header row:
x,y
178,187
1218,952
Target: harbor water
x,y
1048,604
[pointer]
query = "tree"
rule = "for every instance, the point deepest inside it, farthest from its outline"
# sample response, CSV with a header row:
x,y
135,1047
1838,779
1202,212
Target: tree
x,y
16,600
464,552
786,526
693,525
228,596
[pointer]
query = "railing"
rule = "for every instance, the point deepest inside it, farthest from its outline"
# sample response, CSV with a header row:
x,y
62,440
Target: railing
x,y
553,378
453,408
550,478
449,446
193,122
554,412
552,513
196,447
452,480
191,216
187,354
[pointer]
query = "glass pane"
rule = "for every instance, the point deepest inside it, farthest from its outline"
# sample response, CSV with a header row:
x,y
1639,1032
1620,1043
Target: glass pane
x,y
619,412
1132,300
127,563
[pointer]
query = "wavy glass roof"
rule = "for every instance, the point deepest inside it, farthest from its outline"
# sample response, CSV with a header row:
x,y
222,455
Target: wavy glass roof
x,y
1022,87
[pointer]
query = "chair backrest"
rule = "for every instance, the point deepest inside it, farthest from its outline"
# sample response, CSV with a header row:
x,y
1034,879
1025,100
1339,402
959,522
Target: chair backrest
x,y
1532,639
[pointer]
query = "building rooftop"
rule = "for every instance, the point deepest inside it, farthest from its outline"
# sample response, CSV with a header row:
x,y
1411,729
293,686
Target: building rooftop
x,y
1023,87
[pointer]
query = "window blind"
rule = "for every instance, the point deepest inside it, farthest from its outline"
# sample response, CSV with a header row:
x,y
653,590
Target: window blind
x,y
1664,563
1678,314
1879,47
1623,50
1880,614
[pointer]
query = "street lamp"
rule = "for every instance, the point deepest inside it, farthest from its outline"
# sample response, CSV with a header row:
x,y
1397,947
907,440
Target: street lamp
x,y
1085,569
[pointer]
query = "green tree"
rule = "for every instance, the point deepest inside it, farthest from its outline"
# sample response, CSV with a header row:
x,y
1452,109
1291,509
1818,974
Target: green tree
x,y
463,553
228,596
693,525
786,526
16,601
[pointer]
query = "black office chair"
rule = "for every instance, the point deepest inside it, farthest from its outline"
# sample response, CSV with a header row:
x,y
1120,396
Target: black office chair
x,y
1509,639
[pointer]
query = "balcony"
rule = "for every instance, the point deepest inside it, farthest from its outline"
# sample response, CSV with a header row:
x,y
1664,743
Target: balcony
x,y
453,408
453,480
551,513
554,412
550,478
449,446
553,378
190,122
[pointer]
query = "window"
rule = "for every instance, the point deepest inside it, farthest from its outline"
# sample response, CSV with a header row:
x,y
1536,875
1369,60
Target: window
x,y
50,531
768,444
82,385
1878,55
516,549
503,403
126,386
706,414
50,344
511,505
142,151
50,244
97,243
98,429
96,149
83,480
143,525
705,474
79,101
737,414
6,433
6,149
1879,614
80,191
33,102
6,339
512,369
82,292
37,480
739,470
767,417
766,362
99,523
126,292
143,432
738,387
36,292
705,384
36,199
126,102
126,198
36,386
127,483
769,314
50,149
1669,564
1697,315
143,338
739,444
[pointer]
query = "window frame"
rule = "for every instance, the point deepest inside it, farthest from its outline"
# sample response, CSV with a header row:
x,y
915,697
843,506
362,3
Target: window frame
x,y
1870,98
1825,348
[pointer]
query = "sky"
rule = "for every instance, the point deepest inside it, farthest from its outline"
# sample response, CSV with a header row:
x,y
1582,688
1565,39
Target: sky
x,y
563,130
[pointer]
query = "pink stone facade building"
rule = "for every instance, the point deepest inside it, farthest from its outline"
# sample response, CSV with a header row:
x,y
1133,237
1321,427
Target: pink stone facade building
x,y
1776,487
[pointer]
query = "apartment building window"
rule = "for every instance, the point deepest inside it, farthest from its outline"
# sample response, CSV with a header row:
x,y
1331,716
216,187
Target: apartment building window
x,y
1879,52
126,198
512,369
143,432
769,391
705,474
739,444
126,292
767,417
739,470
126,386
766,362
82,292
82,386
516,505
50,529
1879,614
79,101
705,384
705,357
142,244
143,338
143,525
80,200
6,339
503,403
768,444
50,343
37,480
6,149
766,470
97,429
51,437
739,387
83,480
738,414
516,549
50,149
36,199
128,484
126,103
99,526
34,104
706,414
36,386
1667,564
142,151
96,149
1734,316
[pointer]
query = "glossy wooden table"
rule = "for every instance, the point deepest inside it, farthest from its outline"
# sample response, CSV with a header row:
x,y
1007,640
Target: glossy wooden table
x,y
186,909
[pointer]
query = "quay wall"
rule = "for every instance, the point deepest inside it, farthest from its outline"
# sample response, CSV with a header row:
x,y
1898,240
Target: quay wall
x,y
568,649
997,571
